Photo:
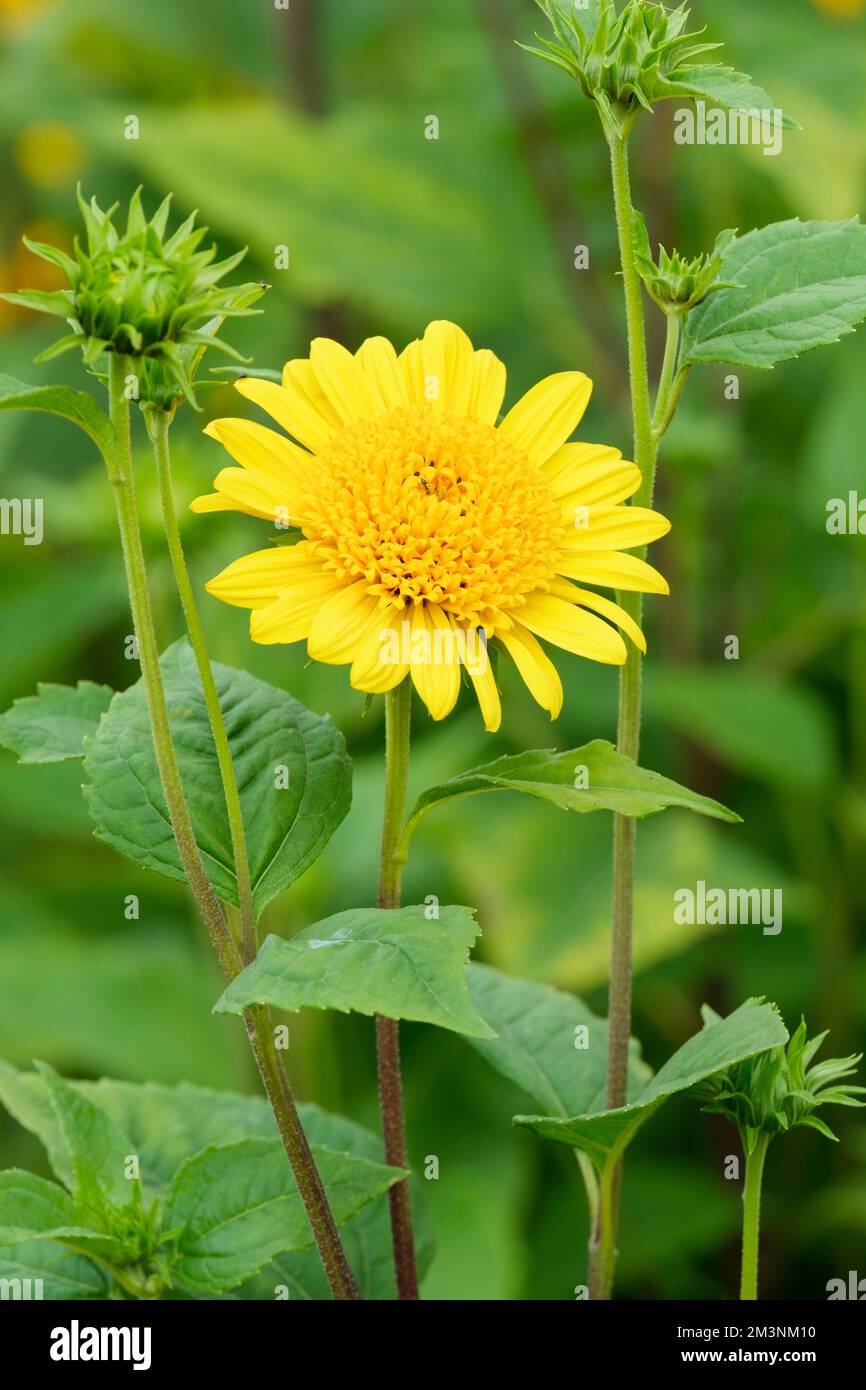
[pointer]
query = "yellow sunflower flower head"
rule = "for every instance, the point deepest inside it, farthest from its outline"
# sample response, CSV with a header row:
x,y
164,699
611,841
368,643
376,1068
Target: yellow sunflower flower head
x,y
427,531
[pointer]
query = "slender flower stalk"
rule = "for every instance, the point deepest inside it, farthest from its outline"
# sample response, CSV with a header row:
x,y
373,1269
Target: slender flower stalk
x,y
121,478
398,710
158,425
340,1278
603,1240
752,1217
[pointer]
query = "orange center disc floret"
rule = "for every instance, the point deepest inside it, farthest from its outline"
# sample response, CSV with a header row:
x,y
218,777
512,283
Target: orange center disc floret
x,y
430,506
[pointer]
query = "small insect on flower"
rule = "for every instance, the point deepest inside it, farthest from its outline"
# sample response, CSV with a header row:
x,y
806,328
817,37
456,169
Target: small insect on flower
x,y
425,530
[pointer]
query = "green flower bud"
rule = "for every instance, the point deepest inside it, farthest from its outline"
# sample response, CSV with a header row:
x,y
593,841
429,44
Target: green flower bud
x,y
675,284
780,1089
623,62
144,295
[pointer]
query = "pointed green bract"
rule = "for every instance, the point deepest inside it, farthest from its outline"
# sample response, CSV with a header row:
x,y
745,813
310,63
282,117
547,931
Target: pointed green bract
x,y
291,764
398,962
52,725
152,299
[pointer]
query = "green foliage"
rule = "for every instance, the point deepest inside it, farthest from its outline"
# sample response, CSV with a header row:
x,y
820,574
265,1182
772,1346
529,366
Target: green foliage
x,y
644,54
603,1136
291,765
592,778
236,1206
203,1220
141,294
674,283
53,724
76,406
779,1090
796,286
392,961
547,1042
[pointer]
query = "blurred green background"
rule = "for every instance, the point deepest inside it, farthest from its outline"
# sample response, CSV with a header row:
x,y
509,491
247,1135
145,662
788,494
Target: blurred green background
x,y
306,128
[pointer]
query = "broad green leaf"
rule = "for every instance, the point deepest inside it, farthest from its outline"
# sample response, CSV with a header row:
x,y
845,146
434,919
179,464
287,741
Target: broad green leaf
x,y
53,724
291,766
237,1206
391,961
591,778
753,1027
53,1272
722,86
169,1125
32,1207
76,406
547,1042
800,285
97,1150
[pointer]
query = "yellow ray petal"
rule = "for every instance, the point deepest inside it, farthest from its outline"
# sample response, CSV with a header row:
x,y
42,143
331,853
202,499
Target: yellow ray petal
x,y
290,405
343,381
253,493
379,361
434,663
537,670
573,629
379,662
256,447
258,579
449,366
290,617
612,611
411,363
593,472
488,386
615,570
548,414
615,528
488,696
340,624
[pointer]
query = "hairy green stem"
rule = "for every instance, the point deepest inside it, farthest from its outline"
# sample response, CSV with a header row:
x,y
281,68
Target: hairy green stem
x,y
398,708
752,1217
120,476
158,423
603,1244
340,1277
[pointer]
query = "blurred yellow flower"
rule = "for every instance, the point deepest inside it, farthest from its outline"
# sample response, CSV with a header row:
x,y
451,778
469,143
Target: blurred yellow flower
x,y
845,9
17,13
50,154
427,530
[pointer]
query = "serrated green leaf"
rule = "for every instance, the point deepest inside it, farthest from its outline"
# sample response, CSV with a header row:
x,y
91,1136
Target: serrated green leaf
x,y
57,1273
53,724
591,778
547,1042
274,740
34,1208
238,1205
753,1028
390,961
97,1150
799,285
169,1125
76,406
